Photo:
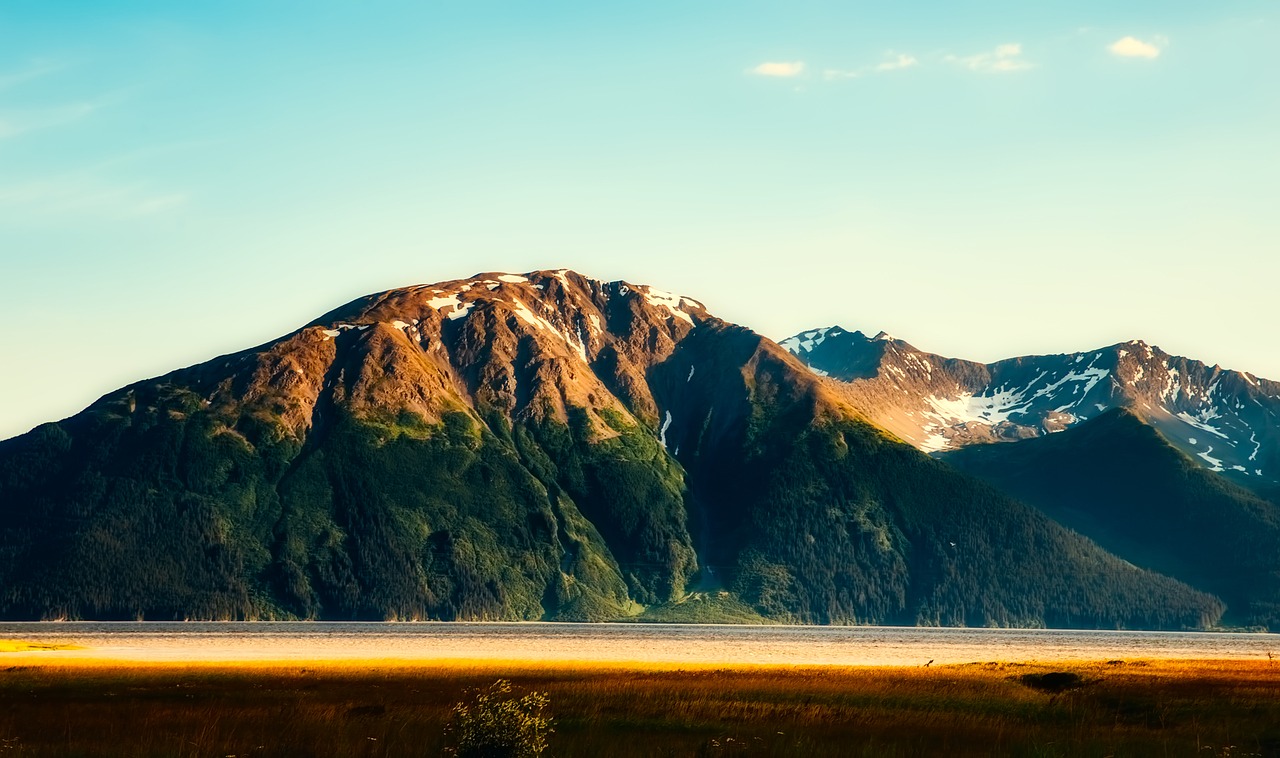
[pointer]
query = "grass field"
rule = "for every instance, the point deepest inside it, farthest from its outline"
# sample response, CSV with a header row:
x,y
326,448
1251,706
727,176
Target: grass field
x,y
1136,708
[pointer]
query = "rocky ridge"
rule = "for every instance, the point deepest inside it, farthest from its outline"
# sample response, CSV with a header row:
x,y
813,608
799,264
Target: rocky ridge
x,y
1229,421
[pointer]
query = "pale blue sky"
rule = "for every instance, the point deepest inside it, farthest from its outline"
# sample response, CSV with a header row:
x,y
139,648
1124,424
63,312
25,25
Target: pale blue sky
x,y
984,179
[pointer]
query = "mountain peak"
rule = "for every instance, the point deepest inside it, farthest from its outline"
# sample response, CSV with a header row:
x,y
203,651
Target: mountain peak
x,y
1226,419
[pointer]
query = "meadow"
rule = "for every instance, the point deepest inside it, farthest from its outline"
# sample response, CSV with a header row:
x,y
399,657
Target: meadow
x,y
1129,708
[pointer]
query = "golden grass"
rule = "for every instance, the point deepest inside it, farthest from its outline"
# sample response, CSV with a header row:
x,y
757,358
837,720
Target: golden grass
x,y
22,646
388,708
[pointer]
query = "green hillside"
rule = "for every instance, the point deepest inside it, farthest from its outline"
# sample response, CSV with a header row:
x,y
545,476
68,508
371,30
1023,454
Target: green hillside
x,y
1116,480
602,459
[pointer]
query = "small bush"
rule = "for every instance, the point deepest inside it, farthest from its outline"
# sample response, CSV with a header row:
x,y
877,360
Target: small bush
x,y
498,723
1054,682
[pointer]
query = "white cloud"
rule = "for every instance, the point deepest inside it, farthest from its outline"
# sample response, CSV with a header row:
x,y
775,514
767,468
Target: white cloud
x,y
776,68
894,62
1132,47
899,61
1006,57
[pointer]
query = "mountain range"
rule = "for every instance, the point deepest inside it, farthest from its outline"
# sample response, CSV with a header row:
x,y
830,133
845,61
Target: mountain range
x,y
1229,420
550,446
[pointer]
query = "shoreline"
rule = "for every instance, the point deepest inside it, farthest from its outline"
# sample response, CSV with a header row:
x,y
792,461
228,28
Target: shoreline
x,y
667,645
84,658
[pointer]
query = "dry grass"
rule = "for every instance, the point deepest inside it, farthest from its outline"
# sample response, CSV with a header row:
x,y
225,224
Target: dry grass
x,y
23,646
1157,708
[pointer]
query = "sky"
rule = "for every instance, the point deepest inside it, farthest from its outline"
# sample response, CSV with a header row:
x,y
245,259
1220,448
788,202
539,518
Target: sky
x,y
982,179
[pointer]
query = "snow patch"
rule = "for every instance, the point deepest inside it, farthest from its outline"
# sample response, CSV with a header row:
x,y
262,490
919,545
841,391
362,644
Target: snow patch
x,y
662,433
935,442
999,405
1214,463
806,341
461,311
536,321
442,302
1201,420
581,347
1257,446
529,318
1192,440
921,363
690,377
513,278
1172,384
672,302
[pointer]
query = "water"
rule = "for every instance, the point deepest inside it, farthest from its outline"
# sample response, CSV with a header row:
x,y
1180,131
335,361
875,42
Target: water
x,y
647,643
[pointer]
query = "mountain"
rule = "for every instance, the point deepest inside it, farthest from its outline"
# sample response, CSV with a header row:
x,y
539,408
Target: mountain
x,y
1229,421
540,446
1120,482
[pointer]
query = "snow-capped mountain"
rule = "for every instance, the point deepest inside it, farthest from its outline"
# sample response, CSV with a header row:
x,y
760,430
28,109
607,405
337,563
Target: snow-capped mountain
x,y
530,446
1228,420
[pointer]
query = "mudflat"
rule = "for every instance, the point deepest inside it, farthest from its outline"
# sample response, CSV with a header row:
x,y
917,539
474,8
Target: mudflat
x,y
390,708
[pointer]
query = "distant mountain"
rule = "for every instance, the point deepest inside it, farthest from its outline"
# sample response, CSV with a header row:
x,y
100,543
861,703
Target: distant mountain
x,y
1228,421
540,446
1118,481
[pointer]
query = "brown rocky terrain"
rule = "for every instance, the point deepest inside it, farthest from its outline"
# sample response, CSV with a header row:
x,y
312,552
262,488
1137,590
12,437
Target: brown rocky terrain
x,y
1228,421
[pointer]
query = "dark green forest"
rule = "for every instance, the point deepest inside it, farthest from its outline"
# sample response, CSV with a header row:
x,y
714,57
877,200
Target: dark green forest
x,y
1116,480
768,503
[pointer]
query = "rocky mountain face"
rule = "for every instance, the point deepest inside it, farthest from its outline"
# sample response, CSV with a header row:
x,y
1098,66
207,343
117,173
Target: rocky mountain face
x,y
539,446
1228,421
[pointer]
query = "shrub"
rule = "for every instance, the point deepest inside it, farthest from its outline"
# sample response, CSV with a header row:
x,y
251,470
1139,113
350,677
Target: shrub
x,y
498,723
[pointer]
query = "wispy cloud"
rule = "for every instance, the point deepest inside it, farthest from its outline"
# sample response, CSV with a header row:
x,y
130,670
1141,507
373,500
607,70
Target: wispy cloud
x,y
1007,57
779,68
1132,47
20,122
85,195
36,70
899,61
893,62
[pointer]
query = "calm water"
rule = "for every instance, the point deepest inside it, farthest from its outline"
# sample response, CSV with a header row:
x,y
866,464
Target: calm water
x,y
652,643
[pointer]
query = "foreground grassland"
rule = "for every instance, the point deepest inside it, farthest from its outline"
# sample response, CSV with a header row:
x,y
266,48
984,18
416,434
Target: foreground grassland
x,y
23,646
1135,708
